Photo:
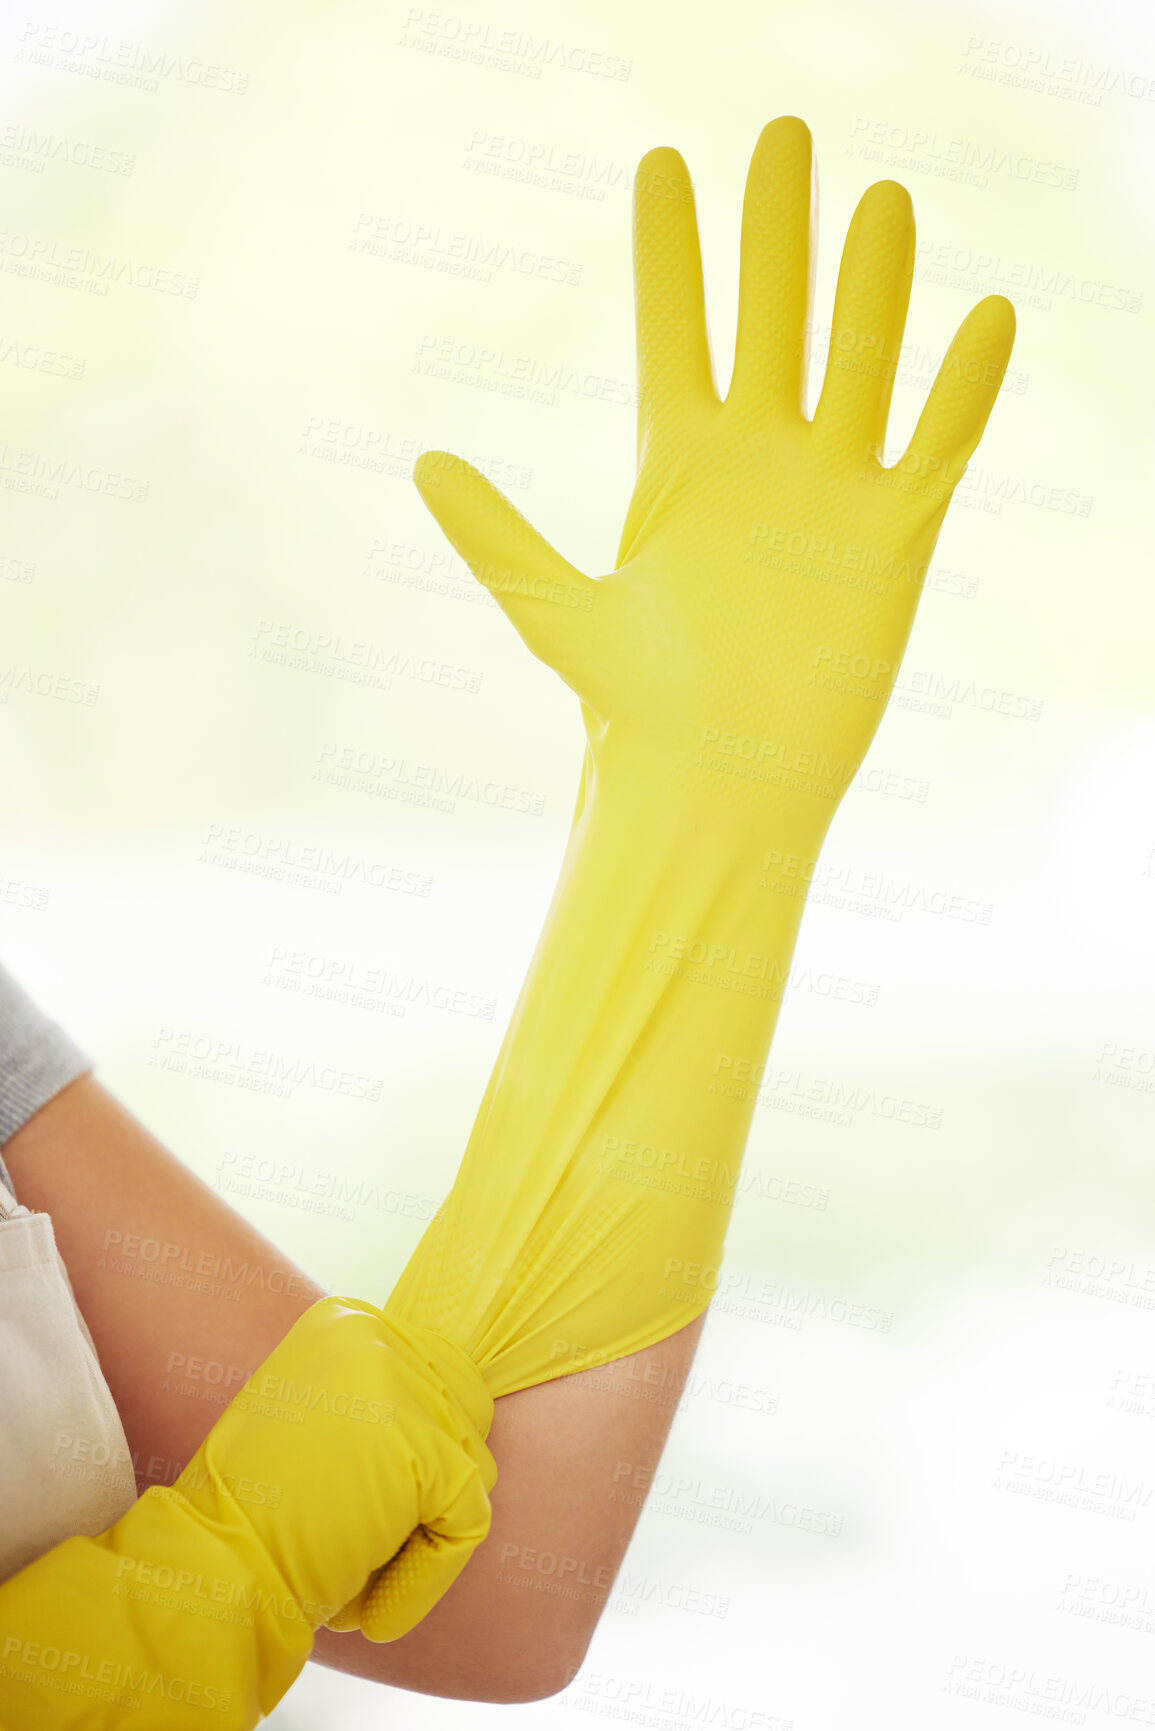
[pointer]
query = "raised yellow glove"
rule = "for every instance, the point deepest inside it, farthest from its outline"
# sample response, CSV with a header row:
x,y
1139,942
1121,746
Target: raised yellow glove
x,y
732,672
347,1482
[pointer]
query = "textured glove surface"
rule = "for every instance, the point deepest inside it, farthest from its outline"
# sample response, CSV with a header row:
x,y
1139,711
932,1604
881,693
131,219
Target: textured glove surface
x,y
770,565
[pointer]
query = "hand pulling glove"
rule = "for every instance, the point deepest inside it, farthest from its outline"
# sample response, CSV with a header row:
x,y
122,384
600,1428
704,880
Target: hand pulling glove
x,y
732,670
346,1483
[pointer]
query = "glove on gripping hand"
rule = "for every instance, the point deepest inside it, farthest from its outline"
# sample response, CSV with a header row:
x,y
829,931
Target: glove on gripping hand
x,y
346,1483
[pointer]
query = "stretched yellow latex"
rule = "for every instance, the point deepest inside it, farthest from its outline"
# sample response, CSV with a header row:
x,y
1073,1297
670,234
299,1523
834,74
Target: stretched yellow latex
x,y
350,1472
732,671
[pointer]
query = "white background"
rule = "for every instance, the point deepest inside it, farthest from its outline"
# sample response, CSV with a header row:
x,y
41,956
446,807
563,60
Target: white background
x,y
981,1135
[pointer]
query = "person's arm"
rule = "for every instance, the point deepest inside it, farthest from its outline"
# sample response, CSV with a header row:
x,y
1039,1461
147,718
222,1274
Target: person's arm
x,y
119,1200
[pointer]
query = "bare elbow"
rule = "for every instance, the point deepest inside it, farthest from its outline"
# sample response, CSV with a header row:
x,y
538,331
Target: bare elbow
x,y
537,1683
513,1677
507,1673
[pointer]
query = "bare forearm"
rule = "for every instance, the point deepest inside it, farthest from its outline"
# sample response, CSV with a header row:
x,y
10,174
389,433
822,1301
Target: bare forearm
x,y
182,1296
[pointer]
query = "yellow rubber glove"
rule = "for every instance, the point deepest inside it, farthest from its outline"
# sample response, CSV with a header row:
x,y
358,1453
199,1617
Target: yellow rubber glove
x,y
351,1471
732,671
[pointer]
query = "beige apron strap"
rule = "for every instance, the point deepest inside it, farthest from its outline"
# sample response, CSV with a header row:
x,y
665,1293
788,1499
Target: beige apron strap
x,y
65,1466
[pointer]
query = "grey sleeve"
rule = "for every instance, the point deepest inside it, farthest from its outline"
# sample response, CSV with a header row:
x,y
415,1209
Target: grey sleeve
x,y
37,1060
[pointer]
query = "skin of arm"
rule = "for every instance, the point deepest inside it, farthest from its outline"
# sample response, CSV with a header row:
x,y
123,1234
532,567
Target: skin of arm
x,y
574,1455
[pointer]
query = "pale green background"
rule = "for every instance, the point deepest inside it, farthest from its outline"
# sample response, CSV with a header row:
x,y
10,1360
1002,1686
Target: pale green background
x,y
1043,1153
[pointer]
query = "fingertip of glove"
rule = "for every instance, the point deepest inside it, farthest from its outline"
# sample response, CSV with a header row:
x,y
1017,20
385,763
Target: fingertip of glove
x,y
786,129
989,330
661,169
1000,312
890,196
430,467
662,155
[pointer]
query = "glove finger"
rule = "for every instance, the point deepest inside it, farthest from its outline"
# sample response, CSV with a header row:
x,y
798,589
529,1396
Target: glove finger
x,y
460,1377
469,1404
549,600
963,394
870,305
669,303
426,1566
776,272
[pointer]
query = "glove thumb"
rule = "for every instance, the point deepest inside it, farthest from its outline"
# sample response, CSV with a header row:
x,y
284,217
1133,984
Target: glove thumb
x,y
424,1569
551,603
